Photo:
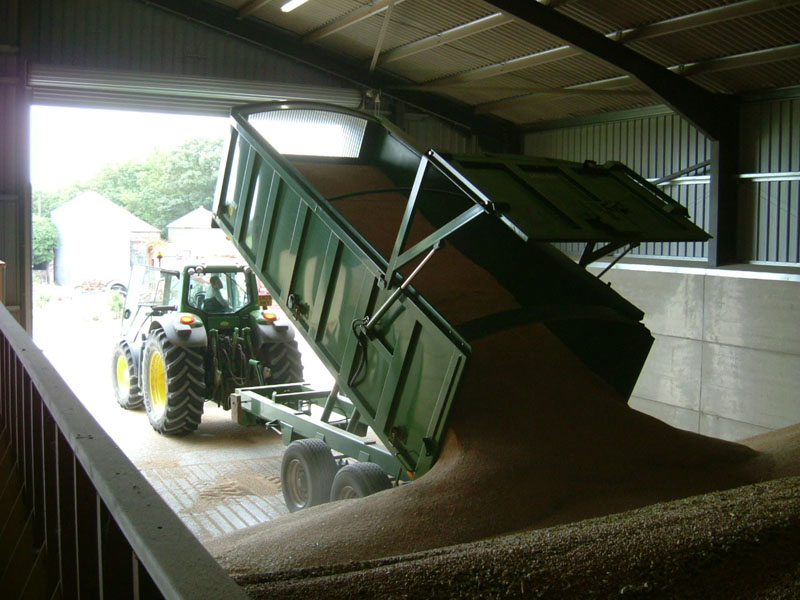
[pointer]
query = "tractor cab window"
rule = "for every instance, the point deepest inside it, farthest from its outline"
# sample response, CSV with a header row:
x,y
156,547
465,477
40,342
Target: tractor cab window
x,y
218,292
154,287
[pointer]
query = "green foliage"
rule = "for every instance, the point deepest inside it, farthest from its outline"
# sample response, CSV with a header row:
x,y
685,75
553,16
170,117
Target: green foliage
x,y
45,240
43,299
158,188
164,185
46,202
116,303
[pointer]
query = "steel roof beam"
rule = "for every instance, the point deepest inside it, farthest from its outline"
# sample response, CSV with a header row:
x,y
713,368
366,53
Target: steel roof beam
x,y
737,61
445,37
699,19
248,8
697,104
456,33
508,66
497,134
387,17
349,19
712,16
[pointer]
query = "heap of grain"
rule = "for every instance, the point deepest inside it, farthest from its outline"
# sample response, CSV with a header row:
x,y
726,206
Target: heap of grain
x,y
536,437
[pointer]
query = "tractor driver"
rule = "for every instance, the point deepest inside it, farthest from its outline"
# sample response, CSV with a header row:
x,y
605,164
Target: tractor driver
x,y
215,302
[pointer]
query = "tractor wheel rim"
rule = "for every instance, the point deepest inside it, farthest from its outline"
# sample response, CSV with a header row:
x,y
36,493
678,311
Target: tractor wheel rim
x,y
157,385
297,483
123,376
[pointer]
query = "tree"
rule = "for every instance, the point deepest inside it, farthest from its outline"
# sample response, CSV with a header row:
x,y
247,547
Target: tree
x,y
164,185
45,240
158,188
46,202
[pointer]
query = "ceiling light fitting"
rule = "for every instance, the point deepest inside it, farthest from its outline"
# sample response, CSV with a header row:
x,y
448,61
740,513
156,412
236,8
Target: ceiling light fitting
x,y
292,4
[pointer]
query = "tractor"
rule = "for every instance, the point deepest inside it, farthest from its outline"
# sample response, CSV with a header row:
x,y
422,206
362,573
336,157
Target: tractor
x,y
196,335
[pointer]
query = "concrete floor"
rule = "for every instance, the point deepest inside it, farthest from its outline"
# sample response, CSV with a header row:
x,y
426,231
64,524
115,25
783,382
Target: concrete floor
x,y
222,478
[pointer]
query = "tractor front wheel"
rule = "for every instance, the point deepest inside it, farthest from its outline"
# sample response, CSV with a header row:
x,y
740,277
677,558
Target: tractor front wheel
x,y
174,385
125,377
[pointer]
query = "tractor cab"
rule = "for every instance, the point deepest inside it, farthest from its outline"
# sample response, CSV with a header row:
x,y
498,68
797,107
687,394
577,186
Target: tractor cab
x,y
194,335
224,292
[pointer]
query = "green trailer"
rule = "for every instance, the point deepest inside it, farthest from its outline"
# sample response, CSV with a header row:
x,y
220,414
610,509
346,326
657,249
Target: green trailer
x,y
389,260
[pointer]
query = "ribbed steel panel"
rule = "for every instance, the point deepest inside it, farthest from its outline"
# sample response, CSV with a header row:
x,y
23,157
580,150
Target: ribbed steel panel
x,y
429,132
548,108
412,20
9,140
15,215
757,77
129,35
423,19
303,19
756,32
771,144
606,16
8,22
510,41
102,87
654,147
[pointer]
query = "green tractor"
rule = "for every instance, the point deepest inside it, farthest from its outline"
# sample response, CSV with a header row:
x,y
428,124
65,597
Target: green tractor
x,y
195,335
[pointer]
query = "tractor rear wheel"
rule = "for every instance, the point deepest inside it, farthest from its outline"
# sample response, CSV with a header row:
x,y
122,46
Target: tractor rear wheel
x,y
174,385
357,480
284,362
307,472
125,378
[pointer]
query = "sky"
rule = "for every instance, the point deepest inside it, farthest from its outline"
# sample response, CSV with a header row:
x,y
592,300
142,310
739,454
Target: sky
x,y
72,144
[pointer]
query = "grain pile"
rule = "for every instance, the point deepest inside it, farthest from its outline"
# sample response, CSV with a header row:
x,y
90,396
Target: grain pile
x,y
537,440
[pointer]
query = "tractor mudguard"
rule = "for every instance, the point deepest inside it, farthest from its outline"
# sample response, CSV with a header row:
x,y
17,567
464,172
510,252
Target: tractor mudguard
x,y
270,330
136,352
189,335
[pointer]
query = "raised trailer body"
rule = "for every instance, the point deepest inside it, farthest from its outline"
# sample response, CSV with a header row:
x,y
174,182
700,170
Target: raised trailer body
x,y
390,259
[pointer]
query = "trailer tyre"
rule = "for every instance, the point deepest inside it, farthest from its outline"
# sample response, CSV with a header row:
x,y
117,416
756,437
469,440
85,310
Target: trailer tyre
x,y
174,385
284,362
307,472
125,378
358,480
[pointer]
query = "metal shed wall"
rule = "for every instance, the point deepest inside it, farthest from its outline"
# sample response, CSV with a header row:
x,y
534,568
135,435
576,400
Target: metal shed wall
x,y
771,145
429,132
15,221
655,147
725,361
98,53
769,227
129,35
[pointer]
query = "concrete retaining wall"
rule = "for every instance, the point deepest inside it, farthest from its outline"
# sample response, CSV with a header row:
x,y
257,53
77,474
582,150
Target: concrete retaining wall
x,y
726,360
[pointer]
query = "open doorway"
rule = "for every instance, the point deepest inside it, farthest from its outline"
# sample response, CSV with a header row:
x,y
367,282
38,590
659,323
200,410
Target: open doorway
x,y
113,190
106,187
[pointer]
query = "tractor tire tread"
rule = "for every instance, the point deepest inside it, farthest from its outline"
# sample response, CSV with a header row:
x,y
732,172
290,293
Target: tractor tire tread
x,y
185,391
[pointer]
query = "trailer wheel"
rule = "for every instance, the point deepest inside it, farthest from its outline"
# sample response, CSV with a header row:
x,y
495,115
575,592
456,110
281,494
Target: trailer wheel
x,y
307,472
358,480
174,386
125,378
284,362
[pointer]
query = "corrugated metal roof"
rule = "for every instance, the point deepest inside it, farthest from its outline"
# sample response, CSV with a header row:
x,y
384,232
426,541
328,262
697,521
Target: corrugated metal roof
x,y
606,16
489,59
737,36
759,77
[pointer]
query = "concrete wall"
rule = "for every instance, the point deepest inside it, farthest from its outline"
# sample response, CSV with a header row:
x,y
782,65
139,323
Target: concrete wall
x,y
726,360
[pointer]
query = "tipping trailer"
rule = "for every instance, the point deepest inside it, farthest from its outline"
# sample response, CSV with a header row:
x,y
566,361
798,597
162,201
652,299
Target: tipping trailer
x,y
390,259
